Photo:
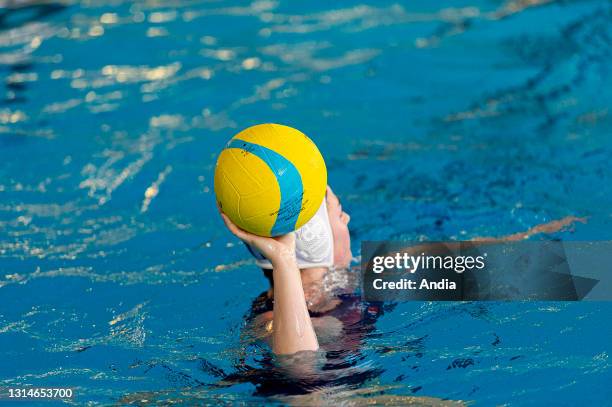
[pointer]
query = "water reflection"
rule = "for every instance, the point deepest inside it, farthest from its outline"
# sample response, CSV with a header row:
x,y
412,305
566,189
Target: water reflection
x,y
437,120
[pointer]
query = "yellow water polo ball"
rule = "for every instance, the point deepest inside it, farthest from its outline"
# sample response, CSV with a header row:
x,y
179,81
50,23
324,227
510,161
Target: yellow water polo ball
x,y
270,179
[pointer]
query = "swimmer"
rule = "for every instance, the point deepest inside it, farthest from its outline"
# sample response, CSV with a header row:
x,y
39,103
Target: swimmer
x,y
299,266
296,271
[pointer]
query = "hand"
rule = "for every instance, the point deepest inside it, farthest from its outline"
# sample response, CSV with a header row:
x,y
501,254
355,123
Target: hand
x,y
556,225
276,249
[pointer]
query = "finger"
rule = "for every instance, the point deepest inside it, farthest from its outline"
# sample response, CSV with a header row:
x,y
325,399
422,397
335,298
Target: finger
x,y
239,233
347,218
232,226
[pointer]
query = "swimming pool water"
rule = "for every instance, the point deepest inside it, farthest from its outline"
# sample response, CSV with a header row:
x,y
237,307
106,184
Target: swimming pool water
x,y
437,120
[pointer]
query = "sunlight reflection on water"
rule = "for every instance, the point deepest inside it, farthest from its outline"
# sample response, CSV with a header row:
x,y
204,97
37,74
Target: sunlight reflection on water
x,y
437,121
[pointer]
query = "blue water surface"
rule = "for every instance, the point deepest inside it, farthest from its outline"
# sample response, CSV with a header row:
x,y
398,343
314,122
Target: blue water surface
x,y
437,120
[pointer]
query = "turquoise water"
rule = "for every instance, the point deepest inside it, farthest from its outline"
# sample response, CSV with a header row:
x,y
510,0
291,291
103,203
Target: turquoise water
x,y
437,120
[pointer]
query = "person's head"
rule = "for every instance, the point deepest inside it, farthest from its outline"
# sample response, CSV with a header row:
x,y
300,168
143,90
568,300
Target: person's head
x,y
339,220
322,243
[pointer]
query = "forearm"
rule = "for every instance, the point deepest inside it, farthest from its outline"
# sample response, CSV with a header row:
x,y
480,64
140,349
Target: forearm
x,y
549,227
293,331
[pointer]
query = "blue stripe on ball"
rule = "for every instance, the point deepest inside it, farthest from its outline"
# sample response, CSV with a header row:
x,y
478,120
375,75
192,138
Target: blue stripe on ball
x,y
289,181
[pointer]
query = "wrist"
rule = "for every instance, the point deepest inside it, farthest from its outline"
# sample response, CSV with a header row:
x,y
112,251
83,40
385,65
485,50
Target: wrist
x,y
284,260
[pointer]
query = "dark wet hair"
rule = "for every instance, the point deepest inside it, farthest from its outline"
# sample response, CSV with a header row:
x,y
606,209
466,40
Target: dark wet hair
x,y
268,274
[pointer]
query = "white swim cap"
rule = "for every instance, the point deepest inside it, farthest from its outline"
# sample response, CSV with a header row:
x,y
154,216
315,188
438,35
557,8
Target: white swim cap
x,y
314,243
